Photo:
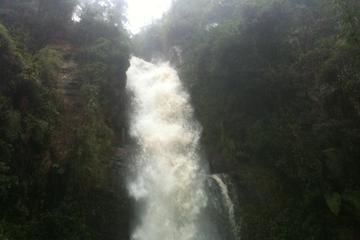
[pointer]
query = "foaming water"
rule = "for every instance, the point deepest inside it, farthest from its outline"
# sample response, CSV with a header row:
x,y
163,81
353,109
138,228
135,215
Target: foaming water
x,y
169,183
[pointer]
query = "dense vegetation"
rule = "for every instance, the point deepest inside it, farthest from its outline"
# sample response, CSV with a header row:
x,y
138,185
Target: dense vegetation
x,y
276,86
55,169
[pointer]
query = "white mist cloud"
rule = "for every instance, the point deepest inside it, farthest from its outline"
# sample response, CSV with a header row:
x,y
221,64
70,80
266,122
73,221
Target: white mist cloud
x,y
142,12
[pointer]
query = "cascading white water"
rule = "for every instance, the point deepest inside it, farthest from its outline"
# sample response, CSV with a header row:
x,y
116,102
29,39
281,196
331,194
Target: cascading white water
x,y
228,202
169,183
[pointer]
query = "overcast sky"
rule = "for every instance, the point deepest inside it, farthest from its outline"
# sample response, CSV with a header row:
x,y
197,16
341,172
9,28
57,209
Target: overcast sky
x,y
142,12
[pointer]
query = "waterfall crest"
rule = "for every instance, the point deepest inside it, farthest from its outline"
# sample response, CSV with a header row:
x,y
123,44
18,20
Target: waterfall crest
x,y
169,183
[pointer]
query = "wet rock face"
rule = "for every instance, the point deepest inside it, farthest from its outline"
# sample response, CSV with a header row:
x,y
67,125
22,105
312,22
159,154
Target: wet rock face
x,y
175,55
68,97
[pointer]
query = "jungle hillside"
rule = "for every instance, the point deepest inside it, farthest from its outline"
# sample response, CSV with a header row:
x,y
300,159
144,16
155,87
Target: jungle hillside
x,y
273,84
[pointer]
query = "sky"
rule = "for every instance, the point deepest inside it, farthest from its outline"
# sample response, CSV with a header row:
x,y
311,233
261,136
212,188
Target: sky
x,y
143,12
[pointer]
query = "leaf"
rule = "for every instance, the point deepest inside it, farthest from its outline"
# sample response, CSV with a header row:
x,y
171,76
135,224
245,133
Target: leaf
x,y
333,201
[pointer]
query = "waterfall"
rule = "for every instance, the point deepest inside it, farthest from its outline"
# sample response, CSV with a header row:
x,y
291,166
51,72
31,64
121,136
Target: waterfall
x,y
169,181
229,205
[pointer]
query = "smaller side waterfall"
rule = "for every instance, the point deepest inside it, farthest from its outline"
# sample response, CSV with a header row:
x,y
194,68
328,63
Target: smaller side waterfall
x,y
227,201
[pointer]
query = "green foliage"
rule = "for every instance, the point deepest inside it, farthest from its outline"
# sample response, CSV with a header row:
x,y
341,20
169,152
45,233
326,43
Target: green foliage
x,y
52,158
103,65
49,62
334,202
92,145
350,11
275,85
352,201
